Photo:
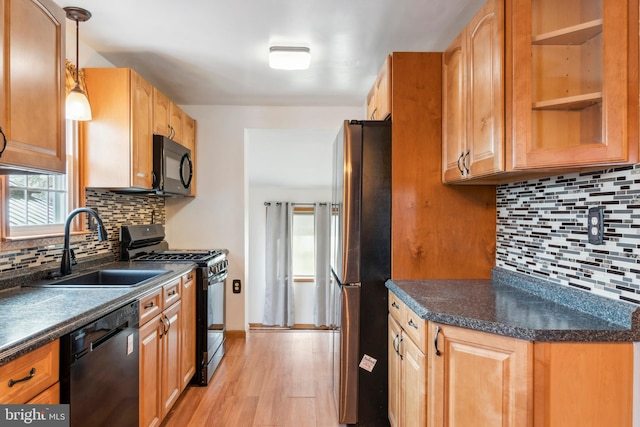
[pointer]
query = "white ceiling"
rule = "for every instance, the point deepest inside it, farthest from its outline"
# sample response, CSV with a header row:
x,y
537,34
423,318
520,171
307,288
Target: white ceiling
x,y
214,52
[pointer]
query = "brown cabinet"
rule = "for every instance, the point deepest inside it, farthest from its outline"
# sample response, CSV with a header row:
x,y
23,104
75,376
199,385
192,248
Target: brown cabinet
x,y
188,329
33,377
160,352
407,366
32,88
379,97
476,378
168,118
116,146
574,88
473,97
432,224
567,98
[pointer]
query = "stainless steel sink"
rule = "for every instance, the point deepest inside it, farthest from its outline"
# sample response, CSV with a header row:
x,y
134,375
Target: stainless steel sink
x,y
105,278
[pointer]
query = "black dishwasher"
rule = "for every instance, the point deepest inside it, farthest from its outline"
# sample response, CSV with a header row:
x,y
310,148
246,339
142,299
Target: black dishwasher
x,y
99,370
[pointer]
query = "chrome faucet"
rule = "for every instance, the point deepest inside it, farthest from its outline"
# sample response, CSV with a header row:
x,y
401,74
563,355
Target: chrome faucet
x,y
65,266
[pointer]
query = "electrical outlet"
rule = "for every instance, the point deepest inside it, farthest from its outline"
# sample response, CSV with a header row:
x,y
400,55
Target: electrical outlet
x,y
595,225
237,287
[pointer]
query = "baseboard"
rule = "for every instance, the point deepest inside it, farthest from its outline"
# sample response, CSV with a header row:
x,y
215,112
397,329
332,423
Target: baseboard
x,y
297,326
235,334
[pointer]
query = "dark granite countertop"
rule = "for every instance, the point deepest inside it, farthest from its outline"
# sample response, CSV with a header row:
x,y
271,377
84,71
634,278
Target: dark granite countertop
x,y
516,305
33,316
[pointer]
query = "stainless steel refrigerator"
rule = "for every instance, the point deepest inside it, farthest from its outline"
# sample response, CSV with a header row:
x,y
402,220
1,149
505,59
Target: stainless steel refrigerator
x,y
360,264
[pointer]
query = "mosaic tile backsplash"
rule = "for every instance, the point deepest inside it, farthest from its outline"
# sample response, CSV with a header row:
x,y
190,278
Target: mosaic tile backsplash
x,y
542,231
115,209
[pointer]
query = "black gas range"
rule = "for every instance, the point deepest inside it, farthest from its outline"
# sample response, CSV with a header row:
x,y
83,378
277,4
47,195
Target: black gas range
x,y
147,243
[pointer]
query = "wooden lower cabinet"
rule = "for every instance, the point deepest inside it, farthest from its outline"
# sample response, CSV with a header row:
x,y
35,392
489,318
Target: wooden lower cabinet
x,y
150,372
33,377
407,378
161,347
583,384
483,379
478,379
188,329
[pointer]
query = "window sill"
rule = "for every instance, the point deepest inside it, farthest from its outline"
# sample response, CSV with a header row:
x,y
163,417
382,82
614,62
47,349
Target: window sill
x,y
21,242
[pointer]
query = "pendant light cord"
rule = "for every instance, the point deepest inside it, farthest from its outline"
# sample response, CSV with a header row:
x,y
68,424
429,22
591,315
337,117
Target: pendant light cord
x,y
77,53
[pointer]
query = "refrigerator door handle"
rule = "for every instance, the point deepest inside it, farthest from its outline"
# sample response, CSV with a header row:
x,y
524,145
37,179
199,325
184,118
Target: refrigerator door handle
x,y
349,350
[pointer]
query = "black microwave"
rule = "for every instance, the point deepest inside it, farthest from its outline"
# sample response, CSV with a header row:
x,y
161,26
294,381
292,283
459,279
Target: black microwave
x,y
172,167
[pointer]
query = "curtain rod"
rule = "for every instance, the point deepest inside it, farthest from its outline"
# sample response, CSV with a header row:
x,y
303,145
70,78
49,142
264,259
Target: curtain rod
x,y
298,204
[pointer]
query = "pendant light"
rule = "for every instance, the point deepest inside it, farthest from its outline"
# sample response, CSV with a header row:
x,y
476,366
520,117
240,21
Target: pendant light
x,y
77,104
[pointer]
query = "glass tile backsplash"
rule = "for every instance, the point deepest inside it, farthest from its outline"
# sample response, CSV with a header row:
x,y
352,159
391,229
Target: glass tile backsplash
x,y
542,231
115,209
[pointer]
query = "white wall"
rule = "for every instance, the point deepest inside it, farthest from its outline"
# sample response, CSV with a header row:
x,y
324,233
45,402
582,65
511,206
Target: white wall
x,y
218,215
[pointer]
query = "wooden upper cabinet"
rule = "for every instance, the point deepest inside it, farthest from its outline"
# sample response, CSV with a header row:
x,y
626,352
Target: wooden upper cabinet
x,y
473,93
32,87
161,114
116,145
574,91
167,117
176,119
379,97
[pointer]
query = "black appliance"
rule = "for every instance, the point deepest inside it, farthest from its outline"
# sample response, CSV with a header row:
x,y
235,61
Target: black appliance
x,y
361,263
147,243
172,167
99,370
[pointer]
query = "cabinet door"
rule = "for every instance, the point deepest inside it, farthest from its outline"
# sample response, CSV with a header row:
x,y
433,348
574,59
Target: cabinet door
x,y
485,89
150,372
171,378
161,114
141,132
573,390
32,87
395,373
176,118
454,110
414,385
188,332
574,91
478,379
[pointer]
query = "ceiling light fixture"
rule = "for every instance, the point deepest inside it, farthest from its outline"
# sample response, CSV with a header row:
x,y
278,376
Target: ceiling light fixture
x,y
289,58
77,105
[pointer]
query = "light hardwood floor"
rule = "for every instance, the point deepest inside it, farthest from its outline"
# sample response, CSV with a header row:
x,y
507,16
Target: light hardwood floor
x,y
269,378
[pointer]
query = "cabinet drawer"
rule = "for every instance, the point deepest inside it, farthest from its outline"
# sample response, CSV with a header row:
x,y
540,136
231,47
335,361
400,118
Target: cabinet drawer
x,y
171,292
416,328
150,306
396,308
50,396
41,367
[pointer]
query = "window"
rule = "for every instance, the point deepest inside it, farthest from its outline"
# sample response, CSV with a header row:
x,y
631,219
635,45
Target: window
x,y
303,244
39,204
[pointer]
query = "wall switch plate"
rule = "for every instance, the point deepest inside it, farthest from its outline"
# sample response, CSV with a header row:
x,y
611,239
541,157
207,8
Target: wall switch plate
x,y
237,287
595,225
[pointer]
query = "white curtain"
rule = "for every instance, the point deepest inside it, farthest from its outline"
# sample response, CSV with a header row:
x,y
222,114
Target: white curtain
x,y
279,298
323,304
